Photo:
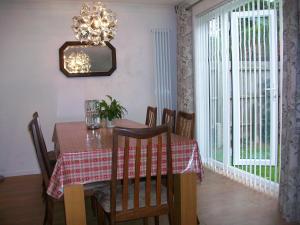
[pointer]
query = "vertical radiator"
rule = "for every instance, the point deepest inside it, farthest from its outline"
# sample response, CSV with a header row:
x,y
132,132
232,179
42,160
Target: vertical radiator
x,y
165,92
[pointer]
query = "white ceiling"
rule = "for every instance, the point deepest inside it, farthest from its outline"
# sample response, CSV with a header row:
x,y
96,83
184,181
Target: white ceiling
x,y
149,2
162,2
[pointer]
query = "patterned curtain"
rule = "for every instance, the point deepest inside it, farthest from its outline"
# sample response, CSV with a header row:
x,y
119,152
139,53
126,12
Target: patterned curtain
x,y
289,194
185,74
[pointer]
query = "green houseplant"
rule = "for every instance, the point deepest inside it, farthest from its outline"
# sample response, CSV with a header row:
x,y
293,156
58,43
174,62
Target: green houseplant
x,y
110,110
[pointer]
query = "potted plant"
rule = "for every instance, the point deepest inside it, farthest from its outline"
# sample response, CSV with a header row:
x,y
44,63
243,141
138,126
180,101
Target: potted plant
x,y
110,110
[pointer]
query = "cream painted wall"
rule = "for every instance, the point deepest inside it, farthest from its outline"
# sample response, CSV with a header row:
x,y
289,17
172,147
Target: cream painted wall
x,y
31,33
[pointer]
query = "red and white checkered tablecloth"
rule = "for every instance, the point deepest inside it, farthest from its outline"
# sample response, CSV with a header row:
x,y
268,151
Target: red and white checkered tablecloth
x,y
92,166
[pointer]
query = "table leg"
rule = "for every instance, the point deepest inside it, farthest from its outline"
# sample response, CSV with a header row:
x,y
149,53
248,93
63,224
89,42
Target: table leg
x,y
185,202
74,204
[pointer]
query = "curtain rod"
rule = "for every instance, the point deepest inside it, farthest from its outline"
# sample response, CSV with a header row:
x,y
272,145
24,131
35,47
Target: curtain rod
x,y
192,5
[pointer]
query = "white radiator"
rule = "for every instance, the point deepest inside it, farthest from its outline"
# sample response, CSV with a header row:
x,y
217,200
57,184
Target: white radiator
x,y
165,91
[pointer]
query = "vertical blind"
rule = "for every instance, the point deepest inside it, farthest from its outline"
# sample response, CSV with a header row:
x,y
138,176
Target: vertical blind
x,y
237,81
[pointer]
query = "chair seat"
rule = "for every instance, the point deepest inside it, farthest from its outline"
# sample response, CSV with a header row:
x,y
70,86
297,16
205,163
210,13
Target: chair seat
x,y
103,196
96,185
91,188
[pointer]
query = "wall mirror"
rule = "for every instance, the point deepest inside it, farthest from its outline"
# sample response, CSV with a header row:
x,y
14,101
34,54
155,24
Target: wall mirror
x,y
78,59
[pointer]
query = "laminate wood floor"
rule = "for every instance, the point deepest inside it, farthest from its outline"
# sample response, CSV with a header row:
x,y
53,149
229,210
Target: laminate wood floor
x,y
221,201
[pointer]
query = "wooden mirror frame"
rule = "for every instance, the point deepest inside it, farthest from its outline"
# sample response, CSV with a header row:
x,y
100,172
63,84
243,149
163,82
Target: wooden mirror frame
x,y
88,74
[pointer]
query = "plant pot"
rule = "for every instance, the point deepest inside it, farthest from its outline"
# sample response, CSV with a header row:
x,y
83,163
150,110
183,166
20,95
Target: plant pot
x,y
109,123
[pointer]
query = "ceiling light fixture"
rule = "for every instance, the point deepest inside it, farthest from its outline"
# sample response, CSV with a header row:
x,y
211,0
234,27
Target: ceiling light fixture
x,y
95,25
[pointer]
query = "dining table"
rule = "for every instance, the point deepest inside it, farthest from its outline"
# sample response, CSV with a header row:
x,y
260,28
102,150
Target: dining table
x,y
84,156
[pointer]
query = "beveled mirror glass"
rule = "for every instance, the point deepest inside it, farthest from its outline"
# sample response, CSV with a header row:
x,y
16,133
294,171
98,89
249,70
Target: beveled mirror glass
x,y
77,59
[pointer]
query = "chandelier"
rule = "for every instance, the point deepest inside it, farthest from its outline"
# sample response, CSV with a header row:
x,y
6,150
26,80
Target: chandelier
x,y
78,62
95,25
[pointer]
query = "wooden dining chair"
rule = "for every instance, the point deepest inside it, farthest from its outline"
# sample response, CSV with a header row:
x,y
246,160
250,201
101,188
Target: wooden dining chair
x,y
151,116
169,118
122,201
185,124
50,154
46,170
44,164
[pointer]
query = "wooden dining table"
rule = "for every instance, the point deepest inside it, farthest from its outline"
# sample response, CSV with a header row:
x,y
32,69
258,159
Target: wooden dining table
x,y
84,156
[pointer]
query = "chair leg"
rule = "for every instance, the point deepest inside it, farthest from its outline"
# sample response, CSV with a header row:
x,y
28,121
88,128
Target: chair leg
x,y
46,213
48,219
145,221
44,192
156,219
94,205
171,218
198,222
100,215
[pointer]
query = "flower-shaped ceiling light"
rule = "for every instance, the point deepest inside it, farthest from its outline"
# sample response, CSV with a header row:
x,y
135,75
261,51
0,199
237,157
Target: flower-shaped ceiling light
x,y
95,25
78,62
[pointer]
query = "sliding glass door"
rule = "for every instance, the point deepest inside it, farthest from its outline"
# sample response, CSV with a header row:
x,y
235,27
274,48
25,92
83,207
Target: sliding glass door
x,y
237,68
255,87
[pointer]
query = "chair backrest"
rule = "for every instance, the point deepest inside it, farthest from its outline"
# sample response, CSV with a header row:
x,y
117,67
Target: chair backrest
x,y
74,204
185,124
40,149
40,133
169,118
151,116
134,138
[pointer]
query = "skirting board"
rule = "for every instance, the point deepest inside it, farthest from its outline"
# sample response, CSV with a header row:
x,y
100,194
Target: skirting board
x,y
19,173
